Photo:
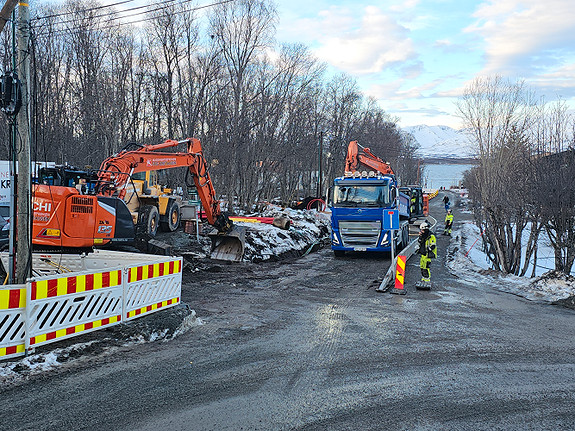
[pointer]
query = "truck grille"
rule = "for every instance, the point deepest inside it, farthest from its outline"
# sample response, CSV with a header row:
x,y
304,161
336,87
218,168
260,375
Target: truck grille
x,y
360,233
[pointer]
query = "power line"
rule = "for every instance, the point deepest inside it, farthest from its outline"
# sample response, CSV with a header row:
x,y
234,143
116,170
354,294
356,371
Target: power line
x,y
114,16
85,10
116,13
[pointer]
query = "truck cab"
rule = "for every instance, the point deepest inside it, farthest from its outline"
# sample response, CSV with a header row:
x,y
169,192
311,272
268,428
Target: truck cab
x,y
357,205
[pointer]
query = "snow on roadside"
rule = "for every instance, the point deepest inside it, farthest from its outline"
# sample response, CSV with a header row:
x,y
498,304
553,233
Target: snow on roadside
x,y
265,241
164,326
469,262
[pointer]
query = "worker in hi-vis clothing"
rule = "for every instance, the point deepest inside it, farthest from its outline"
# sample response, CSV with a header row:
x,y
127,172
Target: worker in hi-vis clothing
x,y
448,223
428,251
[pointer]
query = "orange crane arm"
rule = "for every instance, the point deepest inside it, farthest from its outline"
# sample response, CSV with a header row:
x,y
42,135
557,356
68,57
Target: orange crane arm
x,y
358,157
116,171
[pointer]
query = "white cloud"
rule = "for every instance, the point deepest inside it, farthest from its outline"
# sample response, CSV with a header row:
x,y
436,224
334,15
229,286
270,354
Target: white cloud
x,y
365,45
517,33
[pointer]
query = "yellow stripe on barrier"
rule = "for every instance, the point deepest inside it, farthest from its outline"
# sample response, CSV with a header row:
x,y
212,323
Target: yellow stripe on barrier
x,y
97,280
12,350
81,283
152,307
12,298
41,289
62,286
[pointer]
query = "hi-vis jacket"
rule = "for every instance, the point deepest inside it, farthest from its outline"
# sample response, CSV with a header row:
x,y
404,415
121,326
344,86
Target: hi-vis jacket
x,y
427,245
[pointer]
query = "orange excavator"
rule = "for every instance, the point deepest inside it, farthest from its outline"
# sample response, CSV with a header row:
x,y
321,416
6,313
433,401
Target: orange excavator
x,y
117,203
359,157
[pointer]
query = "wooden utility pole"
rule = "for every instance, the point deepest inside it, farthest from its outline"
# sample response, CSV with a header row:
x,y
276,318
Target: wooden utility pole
x,y
6,11
24,199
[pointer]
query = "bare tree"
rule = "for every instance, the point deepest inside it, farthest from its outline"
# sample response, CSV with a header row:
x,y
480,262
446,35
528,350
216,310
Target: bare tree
x,y
498,113
554,193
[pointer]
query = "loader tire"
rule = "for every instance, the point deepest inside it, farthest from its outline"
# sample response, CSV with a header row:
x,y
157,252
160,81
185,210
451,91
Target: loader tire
x,y
173,216
148,220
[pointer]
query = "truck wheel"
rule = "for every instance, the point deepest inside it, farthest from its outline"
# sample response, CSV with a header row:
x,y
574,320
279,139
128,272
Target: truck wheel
x,y
173,216
148,220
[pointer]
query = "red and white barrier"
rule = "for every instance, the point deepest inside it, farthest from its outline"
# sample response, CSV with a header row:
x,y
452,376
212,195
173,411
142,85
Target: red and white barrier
x,y
113,287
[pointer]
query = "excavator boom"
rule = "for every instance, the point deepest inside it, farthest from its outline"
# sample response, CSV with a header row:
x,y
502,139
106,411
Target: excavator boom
x,y
359,158
116,171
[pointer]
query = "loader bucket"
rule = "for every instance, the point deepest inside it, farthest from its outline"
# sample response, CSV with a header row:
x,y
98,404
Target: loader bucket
x,y
228,246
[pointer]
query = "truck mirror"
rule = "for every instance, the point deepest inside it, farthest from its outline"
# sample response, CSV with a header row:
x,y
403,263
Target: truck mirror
x,y
329,197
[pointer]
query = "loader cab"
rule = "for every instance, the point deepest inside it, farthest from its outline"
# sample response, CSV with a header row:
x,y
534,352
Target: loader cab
x,y
150,183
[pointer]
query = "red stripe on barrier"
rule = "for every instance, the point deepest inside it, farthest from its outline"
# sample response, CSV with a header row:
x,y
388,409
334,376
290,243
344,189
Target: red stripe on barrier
x,y
161,272
138,311
150,271
71,330
33,293
50,335
172,267
52,288
72,284
89,281
139,273
89,325
14,299
105,321
11,350
106,279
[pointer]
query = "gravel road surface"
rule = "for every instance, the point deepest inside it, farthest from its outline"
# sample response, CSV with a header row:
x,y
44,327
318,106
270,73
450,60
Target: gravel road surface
x,y
308,344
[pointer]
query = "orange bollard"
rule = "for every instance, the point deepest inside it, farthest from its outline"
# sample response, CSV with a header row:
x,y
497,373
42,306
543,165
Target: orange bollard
x,y
399,276
425,205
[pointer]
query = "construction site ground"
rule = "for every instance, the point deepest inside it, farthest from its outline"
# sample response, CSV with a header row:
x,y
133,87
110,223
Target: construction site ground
x,y
306,343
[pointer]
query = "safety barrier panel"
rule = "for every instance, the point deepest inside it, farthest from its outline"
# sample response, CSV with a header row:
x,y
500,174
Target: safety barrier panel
x,y
12,320
65,306
152,287
58,306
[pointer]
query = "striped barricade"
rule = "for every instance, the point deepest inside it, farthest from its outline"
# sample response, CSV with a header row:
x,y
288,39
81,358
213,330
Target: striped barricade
x,y
61,307
152,287
12,320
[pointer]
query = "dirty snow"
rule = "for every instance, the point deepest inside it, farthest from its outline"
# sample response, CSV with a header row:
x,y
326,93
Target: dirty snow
x,y
164,326
265,241
470,263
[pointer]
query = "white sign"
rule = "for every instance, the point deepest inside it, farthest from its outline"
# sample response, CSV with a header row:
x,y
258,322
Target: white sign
x,y
5,178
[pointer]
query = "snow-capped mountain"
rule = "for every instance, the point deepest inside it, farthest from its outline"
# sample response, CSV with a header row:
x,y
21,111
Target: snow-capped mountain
x,y
441,142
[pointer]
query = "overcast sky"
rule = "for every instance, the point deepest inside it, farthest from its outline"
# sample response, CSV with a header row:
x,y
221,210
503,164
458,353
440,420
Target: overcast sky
x,y
415,56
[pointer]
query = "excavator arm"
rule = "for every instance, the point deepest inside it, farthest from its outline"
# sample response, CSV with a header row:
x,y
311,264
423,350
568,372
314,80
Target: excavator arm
x,y
116,171
359,157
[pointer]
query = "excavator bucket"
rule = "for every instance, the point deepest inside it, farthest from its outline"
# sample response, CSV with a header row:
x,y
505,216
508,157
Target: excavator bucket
x,y
228,246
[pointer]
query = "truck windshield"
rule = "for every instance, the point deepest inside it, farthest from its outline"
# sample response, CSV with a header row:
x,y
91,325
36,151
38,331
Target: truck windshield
x,y
361,195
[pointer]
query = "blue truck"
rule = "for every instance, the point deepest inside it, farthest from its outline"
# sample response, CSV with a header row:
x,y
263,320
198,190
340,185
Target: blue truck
x,y
358,206
361,199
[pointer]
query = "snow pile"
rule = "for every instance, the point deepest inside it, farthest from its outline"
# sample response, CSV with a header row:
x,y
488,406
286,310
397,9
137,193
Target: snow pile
x,y
165,326
467,260
441,141
264,241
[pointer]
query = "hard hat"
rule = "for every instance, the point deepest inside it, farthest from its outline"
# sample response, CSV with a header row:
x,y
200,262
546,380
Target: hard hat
x,y
424,225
